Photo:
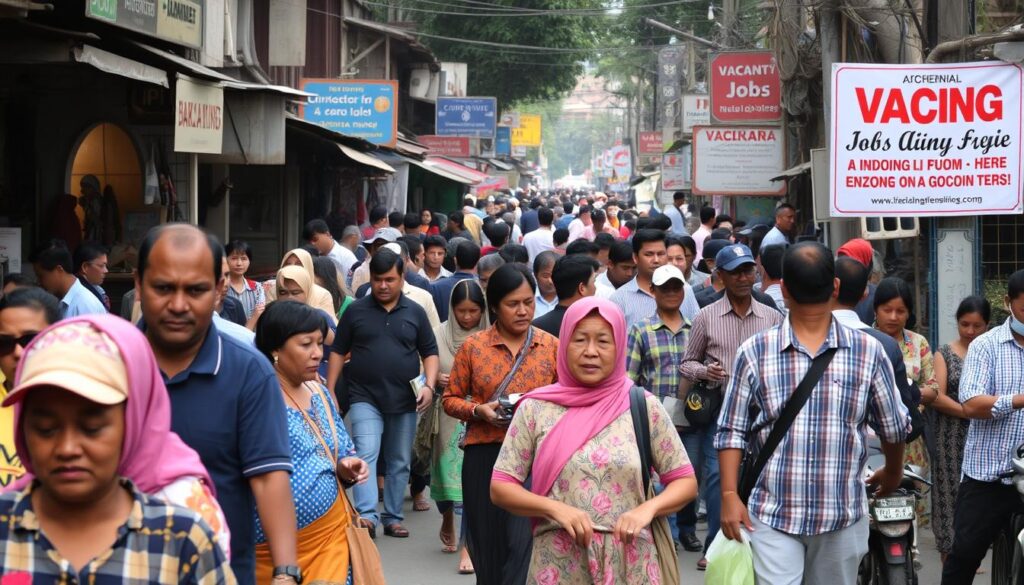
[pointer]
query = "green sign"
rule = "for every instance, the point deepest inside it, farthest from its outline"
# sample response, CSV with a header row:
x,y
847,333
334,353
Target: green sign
x,y
104,9
177,21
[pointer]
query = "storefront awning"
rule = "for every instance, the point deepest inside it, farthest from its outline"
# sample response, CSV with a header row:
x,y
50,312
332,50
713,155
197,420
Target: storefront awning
x,y
117,65
794,171
472,175
365,159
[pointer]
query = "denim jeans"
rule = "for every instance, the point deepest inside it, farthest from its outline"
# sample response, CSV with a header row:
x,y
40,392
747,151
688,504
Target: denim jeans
x,y
699,445
387,436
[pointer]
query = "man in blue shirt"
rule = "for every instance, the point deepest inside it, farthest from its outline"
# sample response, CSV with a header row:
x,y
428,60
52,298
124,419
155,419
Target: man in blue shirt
x,y
564,221
466,257
225,398
55,268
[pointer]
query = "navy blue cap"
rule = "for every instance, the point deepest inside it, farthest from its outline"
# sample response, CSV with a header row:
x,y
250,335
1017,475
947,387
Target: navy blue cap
x,y
732,257
713,247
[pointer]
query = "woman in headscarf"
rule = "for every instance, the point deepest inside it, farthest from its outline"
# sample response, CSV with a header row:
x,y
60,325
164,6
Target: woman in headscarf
x,y
467,314
106,360
576,438
294,284
318,296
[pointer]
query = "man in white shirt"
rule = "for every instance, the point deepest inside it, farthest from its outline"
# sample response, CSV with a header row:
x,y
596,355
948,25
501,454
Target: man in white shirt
x,y
675,213
620,269
785,219
319,235
541,239
54,267
546,298
578,226
434,250
707,223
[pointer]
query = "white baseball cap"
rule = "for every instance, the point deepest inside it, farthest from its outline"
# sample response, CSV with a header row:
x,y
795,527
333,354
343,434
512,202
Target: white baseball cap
x,y
666,273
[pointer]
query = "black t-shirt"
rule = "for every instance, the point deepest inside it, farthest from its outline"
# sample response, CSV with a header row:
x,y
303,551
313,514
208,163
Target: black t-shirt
x,y
386,351
551,322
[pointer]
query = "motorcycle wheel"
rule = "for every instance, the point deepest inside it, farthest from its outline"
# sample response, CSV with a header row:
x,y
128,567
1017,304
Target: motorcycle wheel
x,y
1002,559
886,574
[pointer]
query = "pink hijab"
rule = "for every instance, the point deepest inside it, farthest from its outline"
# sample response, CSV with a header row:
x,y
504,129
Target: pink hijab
x,y
591,408
152,456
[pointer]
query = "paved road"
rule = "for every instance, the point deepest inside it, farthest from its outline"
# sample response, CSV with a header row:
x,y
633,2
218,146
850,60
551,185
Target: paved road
x,y
418,560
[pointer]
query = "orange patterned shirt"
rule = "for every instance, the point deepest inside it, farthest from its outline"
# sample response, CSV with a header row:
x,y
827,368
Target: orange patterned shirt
x,y
481,365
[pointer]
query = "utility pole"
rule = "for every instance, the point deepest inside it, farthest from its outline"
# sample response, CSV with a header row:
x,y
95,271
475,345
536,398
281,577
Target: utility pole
x,y
684,34
730,8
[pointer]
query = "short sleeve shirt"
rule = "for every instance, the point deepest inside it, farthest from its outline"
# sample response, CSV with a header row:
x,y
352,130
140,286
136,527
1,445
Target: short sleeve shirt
x,y
386,348
228,407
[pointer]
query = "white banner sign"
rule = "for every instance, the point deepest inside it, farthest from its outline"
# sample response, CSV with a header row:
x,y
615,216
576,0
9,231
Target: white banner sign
x,y
738,160
622,161
696,112
675,170
926,140
198,117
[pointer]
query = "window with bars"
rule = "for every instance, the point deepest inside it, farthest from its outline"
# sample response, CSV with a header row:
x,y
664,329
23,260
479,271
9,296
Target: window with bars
x,y
1002,246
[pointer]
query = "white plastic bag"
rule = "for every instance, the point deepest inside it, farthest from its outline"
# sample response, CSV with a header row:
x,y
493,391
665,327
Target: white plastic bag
x,y
730,562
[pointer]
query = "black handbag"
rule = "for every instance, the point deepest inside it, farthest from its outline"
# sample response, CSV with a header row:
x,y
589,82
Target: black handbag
x,y
754,462
702,405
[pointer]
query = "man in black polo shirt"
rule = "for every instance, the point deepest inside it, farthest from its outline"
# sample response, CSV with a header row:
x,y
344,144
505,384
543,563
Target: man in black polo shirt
x,y
388,335
574,279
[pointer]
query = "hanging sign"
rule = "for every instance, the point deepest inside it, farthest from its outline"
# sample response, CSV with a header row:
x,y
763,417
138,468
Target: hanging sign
x,y
696,112
364,109
503,141
651,143
457,146
745,87
738,160
528,132
675,170
475,117
198,116
926,140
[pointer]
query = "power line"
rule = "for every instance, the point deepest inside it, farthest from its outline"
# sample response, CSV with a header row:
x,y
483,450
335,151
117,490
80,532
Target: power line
x,y
607,11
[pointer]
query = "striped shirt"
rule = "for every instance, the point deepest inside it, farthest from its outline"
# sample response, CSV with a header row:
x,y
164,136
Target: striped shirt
x,y
994,366
251,296
158,543
638,304
812,483
653,355
718,332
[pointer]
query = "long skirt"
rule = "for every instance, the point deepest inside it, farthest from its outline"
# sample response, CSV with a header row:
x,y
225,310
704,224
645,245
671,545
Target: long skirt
x,y
322,549
499,543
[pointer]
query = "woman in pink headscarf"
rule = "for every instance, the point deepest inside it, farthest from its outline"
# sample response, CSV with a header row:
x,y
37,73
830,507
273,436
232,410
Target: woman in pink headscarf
x,y
576,439
107,360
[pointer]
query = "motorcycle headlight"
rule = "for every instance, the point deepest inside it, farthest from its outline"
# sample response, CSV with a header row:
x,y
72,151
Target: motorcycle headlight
x,y
893,529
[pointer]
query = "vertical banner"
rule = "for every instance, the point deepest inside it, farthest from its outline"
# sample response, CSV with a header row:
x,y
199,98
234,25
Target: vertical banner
x,y
670,74
503,141
926,140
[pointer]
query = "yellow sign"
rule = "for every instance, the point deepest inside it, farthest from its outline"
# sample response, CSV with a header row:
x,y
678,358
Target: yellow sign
x,y
528,132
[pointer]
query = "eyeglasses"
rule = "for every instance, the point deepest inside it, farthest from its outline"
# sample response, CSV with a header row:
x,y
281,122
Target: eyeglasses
x,y
8,342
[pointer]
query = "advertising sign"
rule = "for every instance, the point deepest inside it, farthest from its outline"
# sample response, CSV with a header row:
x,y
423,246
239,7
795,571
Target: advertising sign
x,y
198,116
510,119
503,141
364,109
745,87
622,161
446,145
696,112
528,132
926,140
518,151
675,170
177,21
466,116
650,142
738,160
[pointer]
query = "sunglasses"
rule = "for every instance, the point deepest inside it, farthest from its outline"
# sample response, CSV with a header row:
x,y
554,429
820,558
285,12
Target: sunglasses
x,y
8,342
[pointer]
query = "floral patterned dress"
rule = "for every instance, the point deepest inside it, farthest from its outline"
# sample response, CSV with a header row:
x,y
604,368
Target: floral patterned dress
x,y
603,479
917,356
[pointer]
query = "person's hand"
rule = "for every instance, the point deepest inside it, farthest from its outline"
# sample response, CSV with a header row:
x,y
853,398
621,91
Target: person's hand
x,y
716,372
631,523
885,481
425,398
574,521
353,470
442,380
489,413
260,308
734,516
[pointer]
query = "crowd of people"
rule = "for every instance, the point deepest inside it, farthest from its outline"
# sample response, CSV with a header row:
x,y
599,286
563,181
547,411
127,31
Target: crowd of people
x,y
575,382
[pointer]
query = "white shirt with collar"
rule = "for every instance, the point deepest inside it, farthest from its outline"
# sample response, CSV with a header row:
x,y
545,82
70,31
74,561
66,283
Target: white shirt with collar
x,y
849,318
543,307
343,259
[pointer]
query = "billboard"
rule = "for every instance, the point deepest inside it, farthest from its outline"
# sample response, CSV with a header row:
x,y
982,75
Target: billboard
x,y
651,143
528,133
745,87
738,160
446,145
503,141
177,21
475,117
926,140
363,109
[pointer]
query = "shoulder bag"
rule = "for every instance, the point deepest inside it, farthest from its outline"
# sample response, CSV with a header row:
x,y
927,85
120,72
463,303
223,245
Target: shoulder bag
x,y
665,548
754,462
502,389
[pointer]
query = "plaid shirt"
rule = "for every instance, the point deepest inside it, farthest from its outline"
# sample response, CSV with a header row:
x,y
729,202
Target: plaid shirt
x,y
812,483
654,353
994,366
157,544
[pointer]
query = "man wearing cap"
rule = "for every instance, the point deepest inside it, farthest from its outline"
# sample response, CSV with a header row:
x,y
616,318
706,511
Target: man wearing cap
x,y
717,333
785,219
860,250
226,401
361,274
656,345
634,297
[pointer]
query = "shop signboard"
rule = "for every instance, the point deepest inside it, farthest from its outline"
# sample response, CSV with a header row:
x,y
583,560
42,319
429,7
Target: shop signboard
x,y
475,117
529,131
363,109
503,141
696,112
745,87
446,145
926,140
510,119
651,143
622,162
198,116
675,170
738,160
177,21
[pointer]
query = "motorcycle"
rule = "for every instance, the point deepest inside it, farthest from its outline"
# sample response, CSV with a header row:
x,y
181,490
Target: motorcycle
x,y
1008,548
893,528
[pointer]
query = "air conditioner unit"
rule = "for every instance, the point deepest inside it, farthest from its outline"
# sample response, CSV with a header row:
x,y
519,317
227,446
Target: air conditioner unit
x,y
889,228
423,84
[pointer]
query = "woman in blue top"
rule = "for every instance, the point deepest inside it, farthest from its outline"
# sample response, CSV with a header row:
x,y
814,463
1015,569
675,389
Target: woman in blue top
x,y
294,284
291,335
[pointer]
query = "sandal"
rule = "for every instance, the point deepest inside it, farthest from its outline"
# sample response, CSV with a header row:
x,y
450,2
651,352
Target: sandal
x,y
396,530
369,526
420,504
448,540
702,564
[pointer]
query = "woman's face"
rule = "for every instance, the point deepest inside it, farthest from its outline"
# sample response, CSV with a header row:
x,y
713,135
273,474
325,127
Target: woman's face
x,y
289,290
16,325
468,314
891,316
425,217
970,326
515,311
238,263
74,444
300,357
292,260
591,351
